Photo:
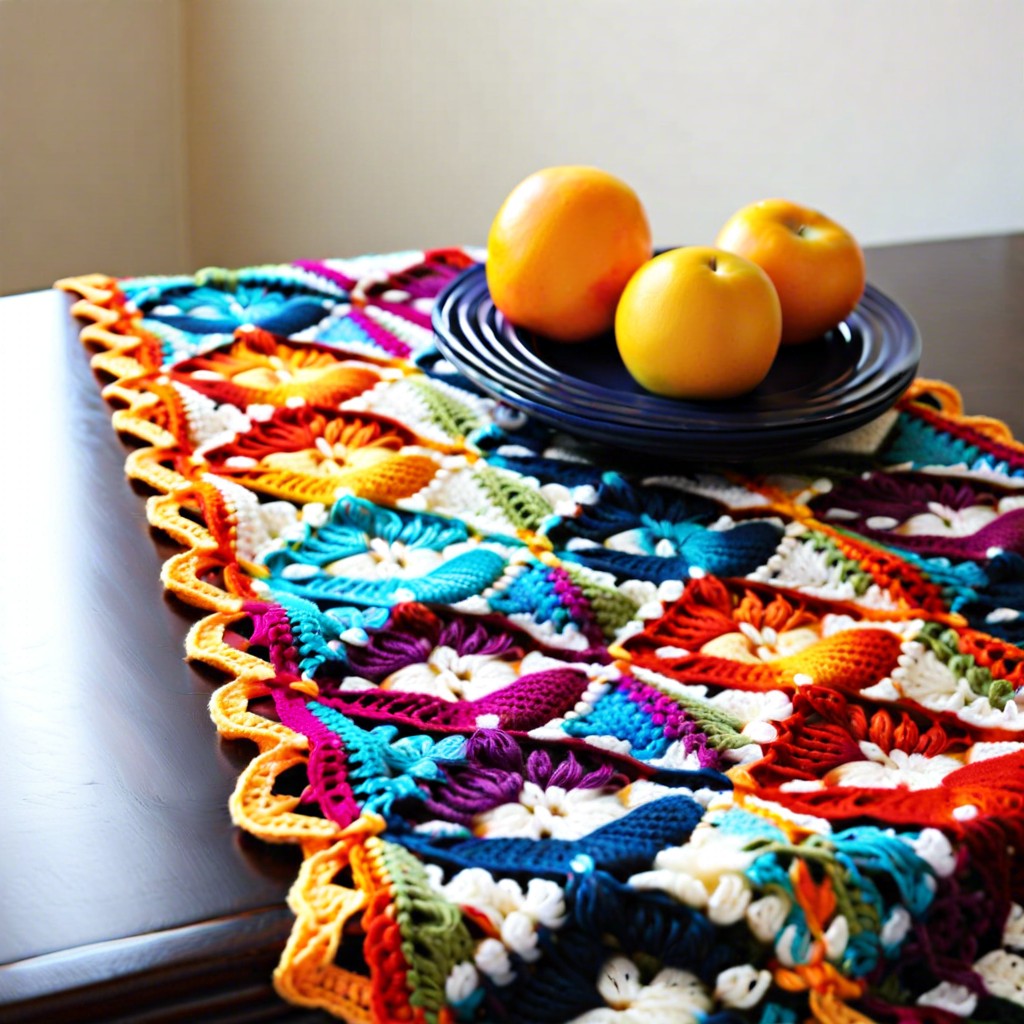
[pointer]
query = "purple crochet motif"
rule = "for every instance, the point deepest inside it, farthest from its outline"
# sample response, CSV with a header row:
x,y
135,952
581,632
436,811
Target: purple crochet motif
x,y
952,520
496,769
944,946
414,632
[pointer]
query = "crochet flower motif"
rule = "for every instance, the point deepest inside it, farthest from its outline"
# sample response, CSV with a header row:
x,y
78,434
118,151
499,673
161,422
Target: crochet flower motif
x,y
707,873
658,534
510,914
303,438
360,552
754,709
497,900
304,455
929,516
833,760
390,301
260,368
562,801
672,996
755,645
953,522
281,300
893,769
453,676
552,813
458,645
411,289
935,673
724,630
395,558
399,278
502,790
337,447
750,623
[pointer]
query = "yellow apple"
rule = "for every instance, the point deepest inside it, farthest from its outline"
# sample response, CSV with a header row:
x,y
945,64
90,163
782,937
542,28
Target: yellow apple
x,y
816,265
698,323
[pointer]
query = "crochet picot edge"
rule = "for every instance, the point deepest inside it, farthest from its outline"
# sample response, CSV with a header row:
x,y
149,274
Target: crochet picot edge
x,y
306,971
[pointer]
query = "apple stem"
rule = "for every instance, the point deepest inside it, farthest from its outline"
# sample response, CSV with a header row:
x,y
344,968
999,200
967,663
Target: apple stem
x,y
714,263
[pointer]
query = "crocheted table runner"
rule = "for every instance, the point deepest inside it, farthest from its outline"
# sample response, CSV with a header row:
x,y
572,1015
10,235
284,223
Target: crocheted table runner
x,y
564,739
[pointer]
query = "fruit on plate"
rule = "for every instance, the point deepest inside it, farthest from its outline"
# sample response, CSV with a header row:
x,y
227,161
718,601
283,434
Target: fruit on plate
x,y
561,249
698,323
816,265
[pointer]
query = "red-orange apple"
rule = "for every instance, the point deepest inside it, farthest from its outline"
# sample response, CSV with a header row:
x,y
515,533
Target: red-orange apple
x,y
816,265
698,323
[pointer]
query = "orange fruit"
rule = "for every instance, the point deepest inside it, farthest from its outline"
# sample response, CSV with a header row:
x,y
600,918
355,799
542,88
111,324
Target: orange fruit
x,y
698,323
561,249
816,265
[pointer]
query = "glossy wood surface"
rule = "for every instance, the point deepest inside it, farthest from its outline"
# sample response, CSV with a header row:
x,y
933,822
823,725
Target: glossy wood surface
x,y
967,298
125,891
122,880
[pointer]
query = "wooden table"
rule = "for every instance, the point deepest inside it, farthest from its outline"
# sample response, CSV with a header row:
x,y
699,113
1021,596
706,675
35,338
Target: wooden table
x,y
125,891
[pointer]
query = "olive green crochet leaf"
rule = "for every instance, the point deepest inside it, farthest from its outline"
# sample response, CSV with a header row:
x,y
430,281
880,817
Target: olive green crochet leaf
x,y
849,571
612,609
434,936
525,508
455,418
944,643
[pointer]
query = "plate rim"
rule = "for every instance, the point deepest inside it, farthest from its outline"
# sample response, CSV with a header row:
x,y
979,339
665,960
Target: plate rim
x,y
519,341
805,423
485,358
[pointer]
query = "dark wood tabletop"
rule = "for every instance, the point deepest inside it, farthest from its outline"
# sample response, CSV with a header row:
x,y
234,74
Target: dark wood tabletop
x,y
126,893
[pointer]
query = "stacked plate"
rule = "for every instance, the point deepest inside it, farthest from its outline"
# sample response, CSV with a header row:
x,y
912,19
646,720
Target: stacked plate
x,y
813,392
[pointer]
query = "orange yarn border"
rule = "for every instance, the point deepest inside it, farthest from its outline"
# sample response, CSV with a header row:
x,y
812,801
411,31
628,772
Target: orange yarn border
x,y
306,974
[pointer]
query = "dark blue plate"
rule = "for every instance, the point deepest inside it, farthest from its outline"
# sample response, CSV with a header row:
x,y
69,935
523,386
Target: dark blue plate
x,y
814,391
847,367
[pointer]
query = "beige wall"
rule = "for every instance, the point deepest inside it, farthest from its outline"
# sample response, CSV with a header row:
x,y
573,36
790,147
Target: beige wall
x,y
319,127
335,126
91,151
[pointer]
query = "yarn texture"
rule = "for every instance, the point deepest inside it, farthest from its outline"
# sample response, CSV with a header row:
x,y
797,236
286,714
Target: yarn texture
x,y
576,742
